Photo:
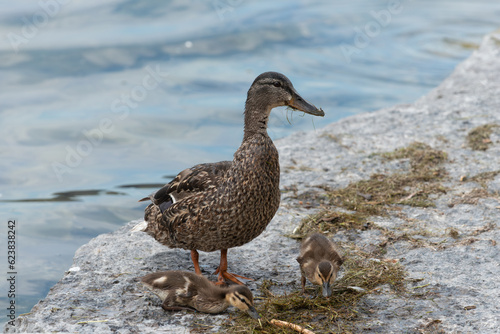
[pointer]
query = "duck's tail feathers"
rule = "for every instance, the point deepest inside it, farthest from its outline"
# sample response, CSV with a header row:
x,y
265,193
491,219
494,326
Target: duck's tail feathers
x,y
145,199
141,227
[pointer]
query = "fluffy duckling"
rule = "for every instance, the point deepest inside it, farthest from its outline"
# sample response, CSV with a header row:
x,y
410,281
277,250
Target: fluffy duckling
x,y
319,262
186,290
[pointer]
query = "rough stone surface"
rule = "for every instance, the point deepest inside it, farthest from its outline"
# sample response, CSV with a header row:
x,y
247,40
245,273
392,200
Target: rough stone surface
x,y
100,293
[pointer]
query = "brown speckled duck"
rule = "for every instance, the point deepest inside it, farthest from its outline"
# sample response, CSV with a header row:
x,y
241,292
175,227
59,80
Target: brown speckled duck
x,y
319,261
217,206
180,290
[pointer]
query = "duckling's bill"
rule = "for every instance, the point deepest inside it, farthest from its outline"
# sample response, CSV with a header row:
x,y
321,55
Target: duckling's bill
x,y
253,312
326,289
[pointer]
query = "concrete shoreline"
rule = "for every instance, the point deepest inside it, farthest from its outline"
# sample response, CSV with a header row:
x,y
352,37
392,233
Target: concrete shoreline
x,y
100,292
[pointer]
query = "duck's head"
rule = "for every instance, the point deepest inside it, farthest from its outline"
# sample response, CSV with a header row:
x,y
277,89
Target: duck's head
x,y
276,90
241,297
270,90
325,275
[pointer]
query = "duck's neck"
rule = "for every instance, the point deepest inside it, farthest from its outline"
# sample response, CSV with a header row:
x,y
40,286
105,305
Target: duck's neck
x,y
256,117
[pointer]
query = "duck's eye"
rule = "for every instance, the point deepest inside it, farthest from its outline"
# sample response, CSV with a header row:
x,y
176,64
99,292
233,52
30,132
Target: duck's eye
x,y
277,84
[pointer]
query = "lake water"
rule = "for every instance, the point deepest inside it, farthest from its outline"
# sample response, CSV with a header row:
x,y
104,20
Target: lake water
x,y
101,102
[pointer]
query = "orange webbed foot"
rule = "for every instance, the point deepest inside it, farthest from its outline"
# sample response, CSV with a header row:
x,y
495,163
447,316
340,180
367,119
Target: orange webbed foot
x,y
224,275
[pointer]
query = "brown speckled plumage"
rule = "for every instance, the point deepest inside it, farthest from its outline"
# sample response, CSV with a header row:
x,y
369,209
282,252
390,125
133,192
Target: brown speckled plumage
x,y
213,209
216,206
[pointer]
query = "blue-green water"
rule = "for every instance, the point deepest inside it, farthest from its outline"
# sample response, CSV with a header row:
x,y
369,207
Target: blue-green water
x,y
100,99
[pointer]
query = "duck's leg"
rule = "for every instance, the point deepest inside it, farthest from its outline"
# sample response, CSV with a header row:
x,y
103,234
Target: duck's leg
x,y
194,258
223,274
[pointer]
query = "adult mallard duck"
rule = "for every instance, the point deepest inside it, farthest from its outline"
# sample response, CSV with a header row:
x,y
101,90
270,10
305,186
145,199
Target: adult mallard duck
x,y
180,290
217,206
319,261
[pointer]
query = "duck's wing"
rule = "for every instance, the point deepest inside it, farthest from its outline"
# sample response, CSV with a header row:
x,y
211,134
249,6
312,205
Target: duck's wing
x,y
189,182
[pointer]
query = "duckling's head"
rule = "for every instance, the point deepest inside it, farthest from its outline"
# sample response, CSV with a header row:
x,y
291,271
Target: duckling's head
x,y
241,297
325,275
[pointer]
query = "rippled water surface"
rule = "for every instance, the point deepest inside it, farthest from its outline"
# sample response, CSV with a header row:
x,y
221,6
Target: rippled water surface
x,y
103,101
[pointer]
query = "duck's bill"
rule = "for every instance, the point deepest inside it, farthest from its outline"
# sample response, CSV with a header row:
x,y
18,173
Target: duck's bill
x,y
253,312
297,102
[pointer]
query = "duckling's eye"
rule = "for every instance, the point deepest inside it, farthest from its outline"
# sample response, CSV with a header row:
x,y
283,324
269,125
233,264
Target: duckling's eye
x,y
277,84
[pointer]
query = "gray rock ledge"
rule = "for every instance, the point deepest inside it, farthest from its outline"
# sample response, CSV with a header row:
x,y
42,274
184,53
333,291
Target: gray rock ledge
x,y
100,293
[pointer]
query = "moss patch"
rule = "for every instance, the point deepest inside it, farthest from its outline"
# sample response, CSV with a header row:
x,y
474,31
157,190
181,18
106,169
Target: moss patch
x,y
484,177
472,197
479,138
337,314
378,195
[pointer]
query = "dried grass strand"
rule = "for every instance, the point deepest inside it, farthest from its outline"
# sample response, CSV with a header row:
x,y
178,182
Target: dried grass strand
x,y
295,327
